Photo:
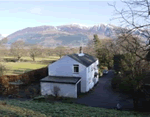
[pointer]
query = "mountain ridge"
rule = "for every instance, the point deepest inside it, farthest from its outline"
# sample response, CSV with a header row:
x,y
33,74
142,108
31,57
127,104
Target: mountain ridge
x,y
65,35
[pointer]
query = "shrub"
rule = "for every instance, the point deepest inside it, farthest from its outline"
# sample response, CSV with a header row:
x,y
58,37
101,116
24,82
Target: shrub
x,y
2,69
56,91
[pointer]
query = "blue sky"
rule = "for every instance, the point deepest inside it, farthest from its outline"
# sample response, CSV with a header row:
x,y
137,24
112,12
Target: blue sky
x,y
21,14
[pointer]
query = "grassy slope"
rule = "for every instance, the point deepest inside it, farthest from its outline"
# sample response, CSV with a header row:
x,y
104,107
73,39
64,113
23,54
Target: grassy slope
x,y
57,109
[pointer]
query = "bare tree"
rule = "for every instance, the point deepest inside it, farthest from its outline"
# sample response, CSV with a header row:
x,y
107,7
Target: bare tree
x,y
2,69
34,51
3,49
89,49
60,51
134,20
17,49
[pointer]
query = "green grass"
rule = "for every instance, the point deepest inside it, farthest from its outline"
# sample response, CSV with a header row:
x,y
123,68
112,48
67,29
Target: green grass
x,y
21,67
36,58
14,68
58,109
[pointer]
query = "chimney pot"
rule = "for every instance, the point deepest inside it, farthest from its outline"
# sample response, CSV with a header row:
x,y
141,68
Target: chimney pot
x,y
80,52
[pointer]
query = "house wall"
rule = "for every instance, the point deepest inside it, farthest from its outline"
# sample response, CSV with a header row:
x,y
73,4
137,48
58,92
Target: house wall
x,y
91,81
66,90
64,67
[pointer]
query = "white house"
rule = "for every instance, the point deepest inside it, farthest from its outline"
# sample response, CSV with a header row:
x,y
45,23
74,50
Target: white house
x,y
71,74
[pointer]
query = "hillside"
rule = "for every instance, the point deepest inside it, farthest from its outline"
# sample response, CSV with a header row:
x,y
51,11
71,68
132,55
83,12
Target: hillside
x,y
15,108
67,35
1,36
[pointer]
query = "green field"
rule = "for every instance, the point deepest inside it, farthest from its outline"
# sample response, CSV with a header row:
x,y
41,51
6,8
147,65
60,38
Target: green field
x,y
36,58
14,68
15,108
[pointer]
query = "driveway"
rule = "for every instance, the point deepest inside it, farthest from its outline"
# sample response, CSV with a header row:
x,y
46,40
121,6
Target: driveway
x,y
103,96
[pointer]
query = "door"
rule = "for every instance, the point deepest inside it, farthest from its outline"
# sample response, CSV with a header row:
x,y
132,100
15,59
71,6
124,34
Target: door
x,y
79,88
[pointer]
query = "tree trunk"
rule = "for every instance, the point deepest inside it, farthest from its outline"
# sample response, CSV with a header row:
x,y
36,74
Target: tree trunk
x,y
19,58
33,58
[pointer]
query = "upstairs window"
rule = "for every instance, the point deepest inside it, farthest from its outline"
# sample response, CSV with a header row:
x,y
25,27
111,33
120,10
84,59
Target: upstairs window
x,y
76,68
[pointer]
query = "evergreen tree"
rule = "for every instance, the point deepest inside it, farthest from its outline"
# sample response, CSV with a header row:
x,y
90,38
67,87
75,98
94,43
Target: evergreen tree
x,y
96,41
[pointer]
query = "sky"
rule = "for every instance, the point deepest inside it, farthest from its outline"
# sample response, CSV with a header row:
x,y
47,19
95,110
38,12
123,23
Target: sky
x,y
17,15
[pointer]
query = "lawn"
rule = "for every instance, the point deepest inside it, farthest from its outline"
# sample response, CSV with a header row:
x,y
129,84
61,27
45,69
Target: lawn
x,y
14,68
20,67
15,108
36,58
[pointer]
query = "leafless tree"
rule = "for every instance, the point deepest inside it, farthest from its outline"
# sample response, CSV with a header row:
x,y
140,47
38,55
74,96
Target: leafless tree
x,y
134,20
2,69
60,51
17,49
34,51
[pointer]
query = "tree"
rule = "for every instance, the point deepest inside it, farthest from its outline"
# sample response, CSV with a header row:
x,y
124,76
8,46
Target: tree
x,y
17,49
60,51
89,49
34,51
96,41
134,19
102,51
3,41
2,69
3,48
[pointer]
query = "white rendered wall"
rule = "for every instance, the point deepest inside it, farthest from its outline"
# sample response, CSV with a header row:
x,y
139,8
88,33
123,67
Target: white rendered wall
x,y
91,81
66,90
64,67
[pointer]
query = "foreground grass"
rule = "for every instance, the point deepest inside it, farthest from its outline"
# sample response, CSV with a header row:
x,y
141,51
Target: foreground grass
x,y
57,109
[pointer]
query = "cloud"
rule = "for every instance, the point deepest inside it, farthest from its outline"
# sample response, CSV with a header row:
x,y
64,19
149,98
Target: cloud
x,y
36,10
5,35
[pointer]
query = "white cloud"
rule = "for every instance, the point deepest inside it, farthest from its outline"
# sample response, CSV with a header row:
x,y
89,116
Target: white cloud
x,y
5,35
36,10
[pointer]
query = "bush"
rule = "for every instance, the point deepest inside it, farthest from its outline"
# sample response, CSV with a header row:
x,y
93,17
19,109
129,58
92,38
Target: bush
x,y
123,84
2,69
56,91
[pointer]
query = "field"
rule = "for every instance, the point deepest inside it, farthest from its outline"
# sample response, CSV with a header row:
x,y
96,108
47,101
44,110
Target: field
x,y
14,68
15,108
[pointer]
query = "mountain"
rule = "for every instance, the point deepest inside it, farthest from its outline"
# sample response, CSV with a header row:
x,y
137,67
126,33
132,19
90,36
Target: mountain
x,y
66,35
1,37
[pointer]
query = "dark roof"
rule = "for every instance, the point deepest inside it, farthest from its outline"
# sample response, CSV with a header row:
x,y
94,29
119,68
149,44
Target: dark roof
x,y
61,79
86,60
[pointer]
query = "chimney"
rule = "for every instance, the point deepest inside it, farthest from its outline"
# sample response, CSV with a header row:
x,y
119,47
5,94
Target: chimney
x,y
81,52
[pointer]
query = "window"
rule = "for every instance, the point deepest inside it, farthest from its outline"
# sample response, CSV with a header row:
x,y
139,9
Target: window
x,y
76,68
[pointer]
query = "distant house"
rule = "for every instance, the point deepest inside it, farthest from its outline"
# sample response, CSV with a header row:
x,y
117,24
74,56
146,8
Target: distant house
x,y
71,74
